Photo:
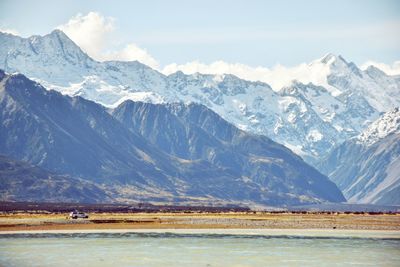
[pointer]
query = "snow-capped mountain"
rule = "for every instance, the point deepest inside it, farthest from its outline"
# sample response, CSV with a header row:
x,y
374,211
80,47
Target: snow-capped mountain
x,y
145,152
367,167
386,125
308,118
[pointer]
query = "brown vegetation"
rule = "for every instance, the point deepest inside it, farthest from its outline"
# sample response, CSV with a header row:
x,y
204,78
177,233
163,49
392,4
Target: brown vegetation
x,y
54,216
200,220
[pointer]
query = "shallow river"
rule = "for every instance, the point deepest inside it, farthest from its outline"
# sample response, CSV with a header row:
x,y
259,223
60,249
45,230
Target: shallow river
x,y
146,249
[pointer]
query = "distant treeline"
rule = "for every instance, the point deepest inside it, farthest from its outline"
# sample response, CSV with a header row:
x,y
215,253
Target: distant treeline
x,y
117,208
35,207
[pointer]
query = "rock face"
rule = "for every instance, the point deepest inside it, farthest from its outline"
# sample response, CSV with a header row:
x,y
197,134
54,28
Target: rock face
x,y
193,132
367,167
309,118
146,152
20,181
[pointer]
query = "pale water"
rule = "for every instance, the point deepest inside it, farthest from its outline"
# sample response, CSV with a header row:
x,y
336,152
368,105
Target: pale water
x,y
145,249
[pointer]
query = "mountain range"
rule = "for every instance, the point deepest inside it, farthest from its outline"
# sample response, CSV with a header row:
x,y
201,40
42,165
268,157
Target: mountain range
x,y
136,133
367,167
147,152
308,118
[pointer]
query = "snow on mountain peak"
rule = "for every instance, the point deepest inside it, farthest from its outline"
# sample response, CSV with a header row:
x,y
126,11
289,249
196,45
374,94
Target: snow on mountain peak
x,y
327,59
387,124
374,71
60,34
310,107
58,40
331,59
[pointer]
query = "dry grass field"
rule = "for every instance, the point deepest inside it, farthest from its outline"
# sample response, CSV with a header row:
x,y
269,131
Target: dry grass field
x,y
200,220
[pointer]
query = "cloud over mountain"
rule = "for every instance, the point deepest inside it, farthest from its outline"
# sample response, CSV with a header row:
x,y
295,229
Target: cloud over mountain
x,y
95,34
393,69
278,76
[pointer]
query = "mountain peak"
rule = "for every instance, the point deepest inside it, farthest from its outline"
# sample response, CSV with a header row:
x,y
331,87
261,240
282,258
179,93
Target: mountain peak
x,y
338,65
387,124
59,33
57,40
177,74
374,71
331,58
62,38
328,58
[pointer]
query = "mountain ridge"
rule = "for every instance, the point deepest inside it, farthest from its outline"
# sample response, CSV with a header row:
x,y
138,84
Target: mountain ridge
x,y
349,102
21,181
373,173
75,136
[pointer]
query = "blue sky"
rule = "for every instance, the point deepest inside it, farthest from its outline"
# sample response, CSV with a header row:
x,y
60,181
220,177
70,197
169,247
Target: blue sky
x,y
256,33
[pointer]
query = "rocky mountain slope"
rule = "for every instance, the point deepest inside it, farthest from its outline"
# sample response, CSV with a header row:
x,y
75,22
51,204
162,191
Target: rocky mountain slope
x,y
367,167
308,118
144,152
20,181
193,132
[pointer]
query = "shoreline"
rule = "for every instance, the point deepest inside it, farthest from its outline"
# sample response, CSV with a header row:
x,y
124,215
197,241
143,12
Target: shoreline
x,y
319,233
327,225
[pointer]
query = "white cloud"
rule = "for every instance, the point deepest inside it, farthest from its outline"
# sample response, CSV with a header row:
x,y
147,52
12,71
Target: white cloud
x,y
10,31
277,77
90,32
132,52
95,34
393,69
